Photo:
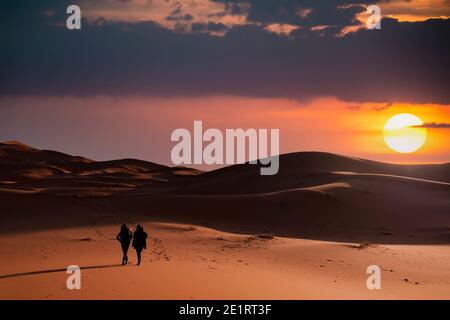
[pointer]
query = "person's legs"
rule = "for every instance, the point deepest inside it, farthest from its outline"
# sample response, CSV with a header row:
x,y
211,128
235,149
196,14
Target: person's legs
x,y
125,252
138,252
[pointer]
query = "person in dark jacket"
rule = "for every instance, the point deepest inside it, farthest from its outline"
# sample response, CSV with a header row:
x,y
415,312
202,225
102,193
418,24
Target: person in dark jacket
x,y
139,242
124,237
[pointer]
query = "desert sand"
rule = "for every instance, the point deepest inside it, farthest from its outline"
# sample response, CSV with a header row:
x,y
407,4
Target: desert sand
x,y
309,232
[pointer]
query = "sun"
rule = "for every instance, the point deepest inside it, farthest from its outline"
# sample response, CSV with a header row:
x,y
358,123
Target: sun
x,y
402,135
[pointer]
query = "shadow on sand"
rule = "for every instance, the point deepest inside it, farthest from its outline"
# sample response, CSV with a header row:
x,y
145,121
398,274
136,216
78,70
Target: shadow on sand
x,y
30,273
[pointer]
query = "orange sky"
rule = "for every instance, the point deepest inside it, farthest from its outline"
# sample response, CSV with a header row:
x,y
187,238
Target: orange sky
x,y
140,127
416,10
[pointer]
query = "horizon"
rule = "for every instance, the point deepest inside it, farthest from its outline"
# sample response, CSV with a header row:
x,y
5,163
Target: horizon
x,y
210,168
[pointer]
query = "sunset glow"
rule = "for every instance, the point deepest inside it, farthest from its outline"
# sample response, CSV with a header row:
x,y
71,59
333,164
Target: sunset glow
x,y
109,124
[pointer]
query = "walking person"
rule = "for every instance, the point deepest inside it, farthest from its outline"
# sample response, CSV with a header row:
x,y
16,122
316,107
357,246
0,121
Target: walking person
x,y
124,237
139,242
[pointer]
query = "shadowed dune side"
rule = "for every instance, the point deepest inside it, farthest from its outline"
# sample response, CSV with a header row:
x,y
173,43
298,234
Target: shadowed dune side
x,y
356,207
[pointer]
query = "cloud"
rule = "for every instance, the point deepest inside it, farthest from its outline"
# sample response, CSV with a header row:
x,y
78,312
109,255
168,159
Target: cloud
x,y
305,13
353,107
382,107
401,62
416,10
210,26
177,15
434,125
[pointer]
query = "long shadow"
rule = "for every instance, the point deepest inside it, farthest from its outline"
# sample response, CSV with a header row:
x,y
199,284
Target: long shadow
x,y
30,273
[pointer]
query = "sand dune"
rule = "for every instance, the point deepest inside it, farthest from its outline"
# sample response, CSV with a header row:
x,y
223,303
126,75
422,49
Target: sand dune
x,y
315,195
58,173
305,169
319,205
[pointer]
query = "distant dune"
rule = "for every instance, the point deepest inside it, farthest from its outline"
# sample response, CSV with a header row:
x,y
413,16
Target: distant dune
x,y
23,168
306,169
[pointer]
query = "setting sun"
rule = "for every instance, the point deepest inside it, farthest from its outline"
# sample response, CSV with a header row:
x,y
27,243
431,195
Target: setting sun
x,y
402,135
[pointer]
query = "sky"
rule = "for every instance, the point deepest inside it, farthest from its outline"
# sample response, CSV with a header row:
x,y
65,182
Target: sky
x,y
138,69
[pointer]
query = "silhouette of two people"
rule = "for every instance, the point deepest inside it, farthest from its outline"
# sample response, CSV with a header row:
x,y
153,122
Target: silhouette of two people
x,y
138,240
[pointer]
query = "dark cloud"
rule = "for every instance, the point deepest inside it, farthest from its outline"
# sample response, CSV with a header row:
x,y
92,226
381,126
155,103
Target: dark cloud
x,y
381,107
184,17
305,13
354,107
401,62
178,15
210,26
434,125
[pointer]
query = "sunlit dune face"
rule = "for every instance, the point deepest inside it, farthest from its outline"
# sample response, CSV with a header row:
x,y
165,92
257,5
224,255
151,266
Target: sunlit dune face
x,y
402,135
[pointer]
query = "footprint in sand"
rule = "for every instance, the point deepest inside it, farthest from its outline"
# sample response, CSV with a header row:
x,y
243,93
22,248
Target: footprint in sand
x,y
98,231
158,250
